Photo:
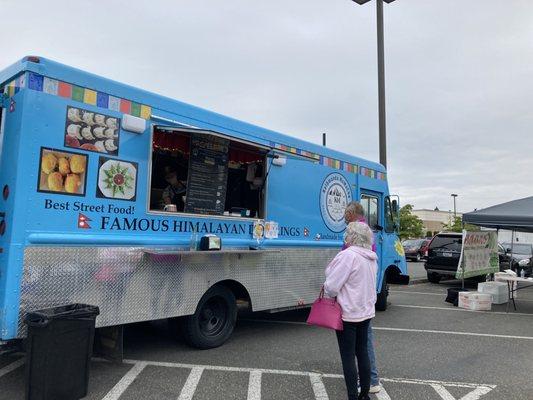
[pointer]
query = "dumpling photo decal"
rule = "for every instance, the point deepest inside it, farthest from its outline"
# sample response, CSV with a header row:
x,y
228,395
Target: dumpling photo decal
x,y
117,179
92,131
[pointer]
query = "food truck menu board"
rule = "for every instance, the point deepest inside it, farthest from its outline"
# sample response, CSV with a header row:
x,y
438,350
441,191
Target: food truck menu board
x,y
208,174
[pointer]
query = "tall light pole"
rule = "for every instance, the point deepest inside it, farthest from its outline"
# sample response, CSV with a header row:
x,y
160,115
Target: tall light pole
x,y
454,195
381,80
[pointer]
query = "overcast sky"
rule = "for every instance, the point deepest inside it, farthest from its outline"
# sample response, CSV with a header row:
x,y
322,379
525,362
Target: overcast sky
x,y
459,76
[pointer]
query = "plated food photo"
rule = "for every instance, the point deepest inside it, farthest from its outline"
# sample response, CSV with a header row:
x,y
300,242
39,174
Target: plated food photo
x,y
62,172
117,179
92,131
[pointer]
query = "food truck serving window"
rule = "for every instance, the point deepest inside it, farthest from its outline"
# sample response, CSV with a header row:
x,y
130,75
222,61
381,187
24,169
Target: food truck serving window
x,y
202,172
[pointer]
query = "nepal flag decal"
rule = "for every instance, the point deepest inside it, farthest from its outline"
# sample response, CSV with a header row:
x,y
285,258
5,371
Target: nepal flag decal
x,y
83,221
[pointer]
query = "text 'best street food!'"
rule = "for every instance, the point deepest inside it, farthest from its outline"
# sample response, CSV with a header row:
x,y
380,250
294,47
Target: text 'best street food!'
x,y
62,172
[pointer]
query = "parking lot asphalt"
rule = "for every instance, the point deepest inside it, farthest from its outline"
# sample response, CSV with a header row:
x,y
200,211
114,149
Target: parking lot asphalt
x,y
416,271
425,348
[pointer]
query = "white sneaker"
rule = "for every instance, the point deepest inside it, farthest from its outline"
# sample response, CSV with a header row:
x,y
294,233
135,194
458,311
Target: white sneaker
x,y
375,389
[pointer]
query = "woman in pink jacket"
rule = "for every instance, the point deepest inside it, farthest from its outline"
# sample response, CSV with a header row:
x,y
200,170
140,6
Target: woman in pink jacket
x,y
351,277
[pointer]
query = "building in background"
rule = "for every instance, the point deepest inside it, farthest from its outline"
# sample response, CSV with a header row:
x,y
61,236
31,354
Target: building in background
x,y
434,220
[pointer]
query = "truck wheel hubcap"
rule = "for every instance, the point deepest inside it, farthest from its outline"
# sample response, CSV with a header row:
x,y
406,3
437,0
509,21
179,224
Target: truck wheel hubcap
x,y
213,317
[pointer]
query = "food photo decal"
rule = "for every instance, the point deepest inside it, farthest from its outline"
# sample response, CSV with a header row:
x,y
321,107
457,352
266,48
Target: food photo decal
x,y
62,172
117,179
92,131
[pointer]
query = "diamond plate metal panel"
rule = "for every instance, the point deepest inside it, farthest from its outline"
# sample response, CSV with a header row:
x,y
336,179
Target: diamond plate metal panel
x,y
130,285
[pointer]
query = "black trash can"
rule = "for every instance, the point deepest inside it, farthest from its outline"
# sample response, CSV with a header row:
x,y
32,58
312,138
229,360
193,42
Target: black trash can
x,y
453,295
59,349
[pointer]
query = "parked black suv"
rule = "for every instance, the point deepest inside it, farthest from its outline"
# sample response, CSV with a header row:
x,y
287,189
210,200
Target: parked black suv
x,y
444,252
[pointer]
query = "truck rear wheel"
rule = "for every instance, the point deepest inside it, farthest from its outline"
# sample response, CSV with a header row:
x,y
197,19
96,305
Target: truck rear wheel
x,y
381,302
213,322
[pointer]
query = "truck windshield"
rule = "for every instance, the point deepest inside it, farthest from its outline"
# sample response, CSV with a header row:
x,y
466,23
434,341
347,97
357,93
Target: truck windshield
x,y
199,172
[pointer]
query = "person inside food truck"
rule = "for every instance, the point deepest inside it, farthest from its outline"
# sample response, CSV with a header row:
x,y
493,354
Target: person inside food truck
x,y
175,192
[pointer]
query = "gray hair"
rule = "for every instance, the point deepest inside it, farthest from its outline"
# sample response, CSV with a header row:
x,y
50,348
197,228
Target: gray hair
x,y
355,208
358,234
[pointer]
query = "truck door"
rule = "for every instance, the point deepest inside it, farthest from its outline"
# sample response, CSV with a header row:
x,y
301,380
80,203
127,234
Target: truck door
x,y
371,202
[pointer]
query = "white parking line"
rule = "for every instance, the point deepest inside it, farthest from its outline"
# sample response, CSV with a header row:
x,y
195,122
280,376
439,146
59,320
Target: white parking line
x,y
442,392
461,310
254,386
318,387
382,394
440,294
11,367
409,292
126,380
377,328
192,382
430,382
476,393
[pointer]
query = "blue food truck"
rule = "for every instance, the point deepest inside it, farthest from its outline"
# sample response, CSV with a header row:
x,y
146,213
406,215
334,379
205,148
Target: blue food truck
x,y
151,208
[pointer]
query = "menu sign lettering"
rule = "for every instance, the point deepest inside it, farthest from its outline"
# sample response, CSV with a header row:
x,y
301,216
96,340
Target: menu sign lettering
x,y
208,175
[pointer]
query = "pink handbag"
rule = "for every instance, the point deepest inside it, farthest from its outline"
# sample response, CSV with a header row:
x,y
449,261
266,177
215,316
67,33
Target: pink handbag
x,y
326,313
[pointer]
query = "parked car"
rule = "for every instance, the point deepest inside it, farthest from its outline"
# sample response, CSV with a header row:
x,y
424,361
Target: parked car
x,y
521,255
415,249
425,247
444,252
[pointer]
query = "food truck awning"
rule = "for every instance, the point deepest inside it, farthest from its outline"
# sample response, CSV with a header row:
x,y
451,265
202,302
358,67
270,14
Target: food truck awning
x,y
514,215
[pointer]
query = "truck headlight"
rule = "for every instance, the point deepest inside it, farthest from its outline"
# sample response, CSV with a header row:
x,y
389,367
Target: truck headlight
x,y
524,262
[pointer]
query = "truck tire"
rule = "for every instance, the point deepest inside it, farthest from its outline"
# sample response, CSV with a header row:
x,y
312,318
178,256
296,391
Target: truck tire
x,y
381,302
213,322
433,277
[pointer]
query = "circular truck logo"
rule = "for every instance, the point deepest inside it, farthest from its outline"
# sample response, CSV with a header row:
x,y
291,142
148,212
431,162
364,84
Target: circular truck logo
x,y
335,194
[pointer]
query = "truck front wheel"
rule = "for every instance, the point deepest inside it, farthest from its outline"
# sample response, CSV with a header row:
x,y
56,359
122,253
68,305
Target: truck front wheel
x,y
381,302
213,322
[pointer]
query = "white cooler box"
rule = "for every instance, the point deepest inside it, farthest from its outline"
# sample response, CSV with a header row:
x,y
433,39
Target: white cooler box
x,y
498,290
475,301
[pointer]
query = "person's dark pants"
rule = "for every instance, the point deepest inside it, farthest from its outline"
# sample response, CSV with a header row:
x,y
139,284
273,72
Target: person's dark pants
x,y
353,344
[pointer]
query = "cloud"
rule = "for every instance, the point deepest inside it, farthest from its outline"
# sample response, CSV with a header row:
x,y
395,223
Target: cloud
x,y
459,88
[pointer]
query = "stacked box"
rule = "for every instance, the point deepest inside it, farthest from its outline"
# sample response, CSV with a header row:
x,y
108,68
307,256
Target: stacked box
x,y
498,291
475,301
